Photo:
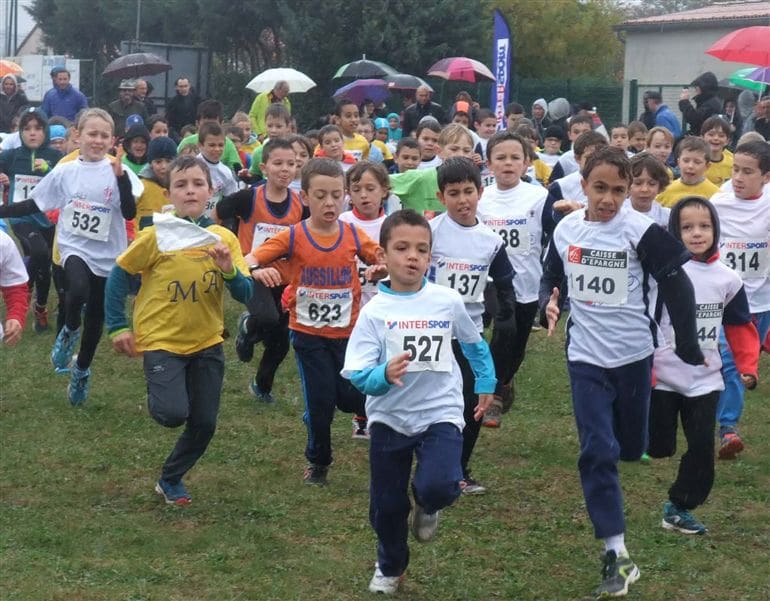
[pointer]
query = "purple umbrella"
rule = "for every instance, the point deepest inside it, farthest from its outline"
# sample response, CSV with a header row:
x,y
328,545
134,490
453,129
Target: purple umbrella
x,y
761,75
363,89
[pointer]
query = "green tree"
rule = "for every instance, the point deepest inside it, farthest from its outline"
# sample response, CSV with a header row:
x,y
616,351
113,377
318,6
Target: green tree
x,y
650,8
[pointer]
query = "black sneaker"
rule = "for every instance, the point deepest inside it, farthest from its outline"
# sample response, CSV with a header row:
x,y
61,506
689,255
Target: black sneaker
x,y
617,574
244,347
316,474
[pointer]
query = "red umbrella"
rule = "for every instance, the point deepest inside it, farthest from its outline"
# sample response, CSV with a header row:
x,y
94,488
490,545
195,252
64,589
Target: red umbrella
x,y
462,69
748,45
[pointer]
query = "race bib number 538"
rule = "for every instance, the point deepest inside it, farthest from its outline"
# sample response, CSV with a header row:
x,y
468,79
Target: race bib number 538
x,y
428,342
597,275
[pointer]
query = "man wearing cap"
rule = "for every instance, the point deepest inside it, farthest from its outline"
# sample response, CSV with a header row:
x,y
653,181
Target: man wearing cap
x,y
279,93
125,105
664,116
421,108
63,100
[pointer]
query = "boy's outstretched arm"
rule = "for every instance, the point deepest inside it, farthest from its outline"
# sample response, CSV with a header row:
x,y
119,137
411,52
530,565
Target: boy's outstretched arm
x,y
553,277
115,293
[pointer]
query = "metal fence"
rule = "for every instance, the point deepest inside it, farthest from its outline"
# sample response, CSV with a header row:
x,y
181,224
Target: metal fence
x,y
669,92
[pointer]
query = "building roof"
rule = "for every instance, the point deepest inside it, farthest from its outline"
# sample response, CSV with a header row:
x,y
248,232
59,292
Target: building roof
x,y
721,14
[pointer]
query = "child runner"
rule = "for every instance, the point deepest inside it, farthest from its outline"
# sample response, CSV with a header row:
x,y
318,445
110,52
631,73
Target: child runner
x,y
394,128
637,137
464,267
346,118
96,198
321,254
551,145
262,212
660,142
515,210
158,127
619,137
278,124
21,169
399,357
13,289
716,131
538,172
744,215
135,145
407,156
567,163
692,159
567,194
186,263
650,178
331,146
211,139
303,150
57,137
693,391
154,176
369,188
427,135
608,253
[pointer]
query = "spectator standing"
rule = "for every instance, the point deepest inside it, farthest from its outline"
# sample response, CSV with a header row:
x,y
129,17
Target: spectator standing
x,y
663,116
707,103
63,100
125,105
422,107
279,94
182,109
11,101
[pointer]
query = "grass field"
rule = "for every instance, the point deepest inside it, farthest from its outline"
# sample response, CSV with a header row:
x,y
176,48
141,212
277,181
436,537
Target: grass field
x,y
79,519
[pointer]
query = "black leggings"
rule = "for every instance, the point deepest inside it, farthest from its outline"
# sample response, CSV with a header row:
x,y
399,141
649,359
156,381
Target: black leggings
x,y
83,288
37,242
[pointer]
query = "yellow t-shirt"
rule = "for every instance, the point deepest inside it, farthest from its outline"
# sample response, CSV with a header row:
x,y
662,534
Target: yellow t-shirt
x,y
542,171
357,146
152,200
678,190
386,154
719,172
179,307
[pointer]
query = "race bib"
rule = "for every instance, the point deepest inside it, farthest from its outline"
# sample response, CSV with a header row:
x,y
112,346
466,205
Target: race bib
x,y
264,231
87,219
748,258
211,204
366,286
467,278
487,178
708,317
514,231
597,275
428,342
321,308
23,186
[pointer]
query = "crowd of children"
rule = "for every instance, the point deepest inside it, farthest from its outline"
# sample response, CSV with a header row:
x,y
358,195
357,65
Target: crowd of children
x,y
381,259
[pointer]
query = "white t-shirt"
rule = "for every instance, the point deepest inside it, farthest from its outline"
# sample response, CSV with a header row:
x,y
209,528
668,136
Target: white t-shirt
x,y
568,162
517,216
609,323
460,259
571,189
372,229
91,225
422,323
744,243
12,270
549,159
658,213
223,183
715,286
434,162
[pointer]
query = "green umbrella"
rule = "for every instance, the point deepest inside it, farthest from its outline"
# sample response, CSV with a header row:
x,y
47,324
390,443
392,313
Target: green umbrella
x,y
739,79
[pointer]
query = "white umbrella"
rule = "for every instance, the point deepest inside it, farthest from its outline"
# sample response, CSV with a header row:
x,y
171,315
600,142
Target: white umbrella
x,y
265,81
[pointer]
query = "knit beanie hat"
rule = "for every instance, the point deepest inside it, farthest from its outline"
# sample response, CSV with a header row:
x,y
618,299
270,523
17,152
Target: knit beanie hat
x,y
161,147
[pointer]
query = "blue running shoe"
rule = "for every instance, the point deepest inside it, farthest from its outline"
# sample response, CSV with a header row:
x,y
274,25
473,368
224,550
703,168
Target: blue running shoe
x,y
173,494
77,391
681,520
64,347
244,345
261,395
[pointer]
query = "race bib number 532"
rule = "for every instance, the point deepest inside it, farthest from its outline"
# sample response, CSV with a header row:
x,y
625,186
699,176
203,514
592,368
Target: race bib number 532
x,y
428,342
597,275
87,219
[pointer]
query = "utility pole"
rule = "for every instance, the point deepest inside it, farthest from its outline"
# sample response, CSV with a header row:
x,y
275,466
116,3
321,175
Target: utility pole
x,y
138,21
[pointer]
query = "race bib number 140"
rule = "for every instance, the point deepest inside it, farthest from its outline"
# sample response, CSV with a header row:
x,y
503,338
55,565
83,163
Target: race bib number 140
x,y
597,275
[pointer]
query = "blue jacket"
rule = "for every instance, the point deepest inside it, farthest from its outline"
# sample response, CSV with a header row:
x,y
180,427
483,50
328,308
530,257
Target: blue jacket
x,y
64,103
665,117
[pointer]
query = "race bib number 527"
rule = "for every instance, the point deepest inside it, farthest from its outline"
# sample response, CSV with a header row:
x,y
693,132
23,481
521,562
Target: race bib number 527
x,y
428,342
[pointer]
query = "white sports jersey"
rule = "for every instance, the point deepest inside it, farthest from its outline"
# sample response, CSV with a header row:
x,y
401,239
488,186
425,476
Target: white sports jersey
x,y
744,243
549,159
571,189
372,229
91,225
460,259
12,270
223,183
568,162
516,215
609,323
422,324
715,286
658,213
434,162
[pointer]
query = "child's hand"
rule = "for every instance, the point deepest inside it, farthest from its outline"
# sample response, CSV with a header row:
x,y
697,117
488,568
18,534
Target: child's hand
x,y
685,95
552,311
220,252
485,400
117,164
567,206
749,381
125,344
396,369
4,180
477,160
267,276
374,273
12,332
244,173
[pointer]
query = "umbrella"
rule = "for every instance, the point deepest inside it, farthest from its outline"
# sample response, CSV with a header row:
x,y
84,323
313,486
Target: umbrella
x,y
10,68
364,69
362,89
402,81
748,45
265,81
462,69
136,65
740,79
761,75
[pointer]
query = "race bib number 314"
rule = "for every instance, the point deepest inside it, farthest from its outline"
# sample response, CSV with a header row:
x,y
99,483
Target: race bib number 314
x,y
749,258
597,275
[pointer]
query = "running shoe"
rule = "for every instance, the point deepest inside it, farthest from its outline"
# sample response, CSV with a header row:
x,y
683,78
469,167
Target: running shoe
x,y
424,525
261,395
79,385
493,416
469,486
681,520
41,319
64,347
730,445
360,428
380,583
244,347
173,494
617,574
316,474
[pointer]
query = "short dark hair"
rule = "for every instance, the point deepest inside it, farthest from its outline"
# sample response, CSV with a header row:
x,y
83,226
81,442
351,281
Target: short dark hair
x,y
758,150
644,161
342,102
378,171
586,140
653,95
508,136
407,143
320,166
153,119
299,139
234,130
716,122
619,126
403,217
585,119
326,130
695,144
456,170
278,110
187,161
209,128
210,109
430,124
483,114
608,155
274,144
514,108
180,78
635,127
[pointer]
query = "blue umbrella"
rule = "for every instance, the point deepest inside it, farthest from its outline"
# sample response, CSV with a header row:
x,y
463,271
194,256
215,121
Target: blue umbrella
x,y
359,90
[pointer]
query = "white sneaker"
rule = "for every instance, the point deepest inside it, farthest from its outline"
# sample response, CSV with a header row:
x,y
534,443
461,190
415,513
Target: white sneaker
x,y
424,525
384,584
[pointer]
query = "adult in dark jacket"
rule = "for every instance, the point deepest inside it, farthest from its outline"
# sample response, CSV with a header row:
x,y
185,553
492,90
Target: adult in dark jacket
x,y
182,109
11,101
141,91
63,100
707,103
421,108
125,106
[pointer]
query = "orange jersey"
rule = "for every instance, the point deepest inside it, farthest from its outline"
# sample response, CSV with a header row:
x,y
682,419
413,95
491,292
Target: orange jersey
x,y
323,274
253,232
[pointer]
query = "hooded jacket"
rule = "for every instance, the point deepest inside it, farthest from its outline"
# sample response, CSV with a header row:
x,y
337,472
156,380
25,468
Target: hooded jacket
x,y
558,111
542,124
64,103
133,162
707,103
10,103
